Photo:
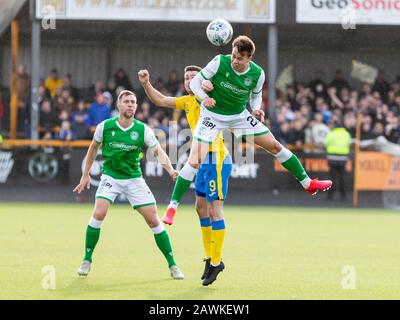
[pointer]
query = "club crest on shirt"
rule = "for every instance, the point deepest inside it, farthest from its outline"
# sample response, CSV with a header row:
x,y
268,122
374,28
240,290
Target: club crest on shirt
x,y
113,133
134,135
248,81
227,74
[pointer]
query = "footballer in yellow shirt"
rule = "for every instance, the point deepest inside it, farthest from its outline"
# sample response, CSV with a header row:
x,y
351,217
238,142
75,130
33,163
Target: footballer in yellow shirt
x,y
211,180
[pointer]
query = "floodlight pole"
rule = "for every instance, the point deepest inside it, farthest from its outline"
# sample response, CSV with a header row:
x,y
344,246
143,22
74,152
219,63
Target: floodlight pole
x,y
272,72
35,72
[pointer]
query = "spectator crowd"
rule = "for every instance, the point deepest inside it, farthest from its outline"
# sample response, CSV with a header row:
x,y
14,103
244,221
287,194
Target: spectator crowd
x,y
304,113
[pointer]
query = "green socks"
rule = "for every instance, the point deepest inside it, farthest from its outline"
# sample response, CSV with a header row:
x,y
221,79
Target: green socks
x,y
181,186
92,236
164,244
295,167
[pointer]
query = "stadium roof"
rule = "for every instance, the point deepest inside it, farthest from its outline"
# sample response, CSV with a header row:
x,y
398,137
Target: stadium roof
x,y
8,11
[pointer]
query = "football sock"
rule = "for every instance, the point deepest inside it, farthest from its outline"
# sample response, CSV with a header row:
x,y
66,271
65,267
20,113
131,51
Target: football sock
x,y
217,241
292,163
205,224
164,244
182,184
92,237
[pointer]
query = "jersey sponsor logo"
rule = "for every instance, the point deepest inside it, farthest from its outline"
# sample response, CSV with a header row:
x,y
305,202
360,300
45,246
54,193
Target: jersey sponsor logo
x,y
234,89
106,184
121,146
134,135
248,81
207,123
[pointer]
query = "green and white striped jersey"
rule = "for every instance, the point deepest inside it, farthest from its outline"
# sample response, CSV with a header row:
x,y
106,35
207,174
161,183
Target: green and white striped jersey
x,y
121,147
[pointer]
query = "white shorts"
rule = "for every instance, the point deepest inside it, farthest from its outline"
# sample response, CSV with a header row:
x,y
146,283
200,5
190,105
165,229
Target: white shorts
x,y
136,191
243,124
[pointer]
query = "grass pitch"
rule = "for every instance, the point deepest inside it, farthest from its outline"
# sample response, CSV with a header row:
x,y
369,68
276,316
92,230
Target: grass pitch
x,y
269,253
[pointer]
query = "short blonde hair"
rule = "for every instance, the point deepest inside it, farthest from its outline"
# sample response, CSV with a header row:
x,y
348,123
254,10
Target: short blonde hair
x,y
244,44
124,93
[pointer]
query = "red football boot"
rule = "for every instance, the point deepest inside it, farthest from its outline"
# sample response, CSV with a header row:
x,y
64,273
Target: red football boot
x,y
317,185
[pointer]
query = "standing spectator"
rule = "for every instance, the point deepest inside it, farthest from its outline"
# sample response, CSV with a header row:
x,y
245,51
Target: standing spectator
x,y
298,133
173,82
382,86
122,80
53,82
317,85
94,90
99,111
392,129
47,119
338,143
80,129
73,91
319,130
23,86
339,81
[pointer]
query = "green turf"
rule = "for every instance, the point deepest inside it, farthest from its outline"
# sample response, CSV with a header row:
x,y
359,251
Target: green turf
x,y
270,253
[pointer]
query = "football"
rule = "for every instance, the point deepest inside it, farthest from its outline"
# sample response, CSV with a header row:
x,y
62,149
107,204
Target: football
x,y
219,32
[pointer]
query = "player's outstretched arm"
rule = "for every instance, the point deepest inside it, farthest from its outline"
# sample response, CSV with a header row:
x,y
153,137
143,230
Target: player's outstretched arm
x,y
163,158
90,156
154,95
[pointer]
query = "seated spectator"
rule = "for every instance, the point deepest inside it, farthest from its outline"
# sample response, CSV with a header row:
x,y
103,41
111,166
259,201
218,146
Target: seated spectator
x,y
99,111
64,102
80,129
47,119
53,82
108,99
378,130
63,116
285,134
65,132
82,110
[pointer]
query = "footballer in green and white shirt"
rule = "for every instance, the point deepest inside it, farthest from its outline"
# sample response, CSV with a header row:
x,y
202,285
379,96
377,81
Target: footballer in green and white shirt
x,y
233,81
123,139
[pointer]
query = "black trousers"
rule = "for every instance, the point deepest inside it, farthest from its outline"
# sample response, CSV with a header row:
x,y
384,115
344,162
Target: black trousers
x,y
336,173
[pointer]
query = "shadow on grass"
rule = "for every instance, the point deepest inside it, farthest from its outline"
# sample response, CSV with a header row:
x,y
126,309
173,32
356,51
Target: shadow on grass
x,y
85,287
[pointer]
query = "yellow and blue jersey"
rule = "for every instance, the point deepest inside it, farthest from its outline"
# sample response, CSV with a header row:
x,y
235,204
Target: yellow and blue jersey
x,y
212,178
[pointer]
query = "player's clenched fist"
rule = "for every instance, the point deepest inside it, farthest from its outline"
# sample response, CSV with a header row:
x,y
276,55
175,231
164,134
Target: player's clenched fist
x,y
143,76
207,86
85,182
209,102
